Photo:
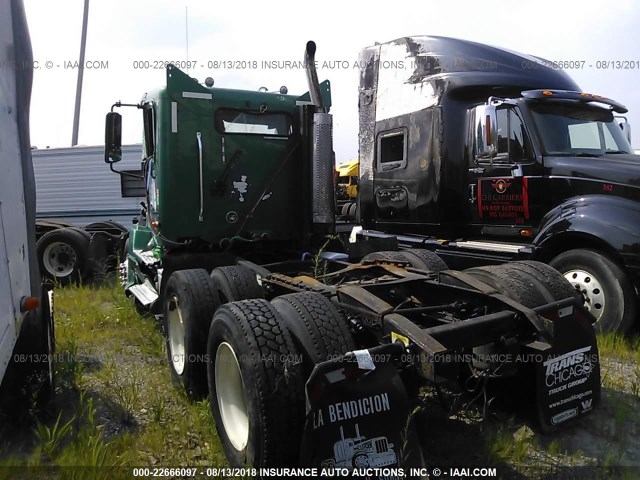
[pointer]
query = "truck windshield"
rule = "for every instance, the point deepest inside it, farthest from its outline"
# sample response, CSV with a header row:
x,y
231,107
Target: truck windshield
x,y
571,129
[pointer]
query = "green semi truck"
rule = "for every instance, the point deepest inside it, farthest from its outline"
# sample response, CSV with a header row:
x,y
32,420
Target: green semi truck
x,y
264,309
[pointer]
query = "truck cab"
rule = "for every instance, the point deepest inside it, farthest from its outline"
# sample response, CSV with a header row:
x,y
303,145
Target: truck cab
x,y
486,155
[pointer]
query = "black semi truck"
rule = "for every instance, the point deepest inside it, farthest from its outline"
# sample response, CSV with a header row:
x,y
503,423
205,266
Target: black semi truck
x,y
485,155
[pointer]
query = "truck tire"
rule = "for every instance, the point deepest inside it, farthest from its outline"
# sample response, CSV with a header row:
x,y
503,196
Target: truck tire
x,y
235,282
319,329
425,260
415,257
256,390
353,210
509,285
390,256
551,284
63,255
345,209
609,292
189,303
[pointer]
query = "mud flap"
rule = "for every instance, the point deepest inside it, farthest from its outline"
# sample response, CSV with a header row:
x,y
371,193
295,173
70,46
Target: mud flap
x,y
358,416
568,374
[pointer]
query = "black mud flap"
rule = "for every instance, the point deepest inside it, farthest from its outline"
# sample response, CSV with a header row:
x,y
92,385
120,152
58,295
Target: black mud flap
x,y
568,374
358,417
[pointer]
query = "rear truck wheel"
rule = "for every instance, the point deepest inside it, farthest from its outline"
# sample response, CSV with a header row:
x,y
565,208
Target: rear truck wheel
x,y
256,386
509,285
189,303
236,282
547,280
391,256
63,255
345,209
415,257
608,291
424,260
319,329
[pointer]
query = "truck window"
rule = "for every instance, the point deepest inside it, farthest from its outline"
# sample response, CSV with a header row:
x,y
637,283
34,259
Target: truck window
x,y
572,129
249,123
131,186
513,143
392,151
584,135
149,122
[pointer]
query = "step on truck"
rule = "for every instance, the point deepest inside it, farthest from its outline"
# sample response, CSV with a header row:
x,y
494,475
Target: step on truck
x,y
26,314
295,341
80,213
484,155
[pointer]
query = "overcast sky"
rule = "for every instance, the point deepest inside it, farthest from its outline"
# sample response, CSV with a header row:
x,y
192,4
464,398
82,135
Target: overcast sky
x,y
123,32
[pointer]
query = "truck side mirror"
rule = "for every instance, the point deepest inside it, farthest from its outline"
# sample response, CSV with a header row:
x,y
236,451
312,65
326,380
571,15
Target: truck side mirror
x,y
626,130
113,138
486,132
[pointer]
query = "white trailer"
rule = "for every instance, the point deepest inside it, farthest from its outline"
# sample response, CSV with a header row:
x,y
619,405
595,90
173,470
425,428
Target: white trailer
x,y
73,189
26,320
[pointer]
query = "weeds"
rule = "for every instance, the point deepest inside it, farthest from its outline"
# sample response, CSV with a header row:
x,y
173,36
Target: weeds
x,y
52,438
320,266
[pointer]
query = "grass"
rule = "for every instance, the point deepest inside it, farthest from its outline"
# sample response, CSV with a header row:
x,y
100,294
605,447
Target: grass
x,y
115,404
617,346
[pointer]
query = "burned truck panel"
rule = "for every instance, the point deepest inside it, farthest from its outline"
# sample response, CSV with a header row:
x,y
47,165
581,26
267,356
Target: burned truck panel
x,y
415,96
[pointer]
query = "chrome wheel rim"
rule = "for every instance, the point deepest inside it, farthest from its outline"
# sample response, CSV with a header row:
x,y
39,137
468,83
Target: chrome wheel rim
x,y
591,288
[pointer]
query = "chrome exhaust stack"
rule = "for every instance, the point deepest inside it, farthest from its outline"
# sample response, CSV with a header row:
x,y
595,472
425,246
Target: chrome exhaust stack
x,y
323,158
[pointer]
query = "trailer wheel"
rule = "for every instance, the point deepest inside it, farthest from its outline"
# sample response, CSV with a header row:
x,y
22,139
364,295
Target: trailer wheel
x,y
609,292
425,260
319,329
62,255
189,303
236,282
256,389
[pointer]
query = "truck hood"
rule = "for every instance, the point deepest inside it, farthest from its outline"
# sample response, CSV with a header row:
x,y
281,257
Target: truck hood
x,y
615,168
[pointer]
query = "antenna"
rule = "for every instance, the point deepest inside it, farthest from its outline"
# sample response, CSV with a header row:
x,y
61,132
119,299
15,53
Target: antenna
x,y
186,29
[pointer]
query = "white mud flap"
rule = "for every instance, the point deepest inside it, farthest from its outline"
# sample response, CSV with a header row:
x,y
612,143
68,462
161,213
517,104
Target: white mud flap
x,y
358,417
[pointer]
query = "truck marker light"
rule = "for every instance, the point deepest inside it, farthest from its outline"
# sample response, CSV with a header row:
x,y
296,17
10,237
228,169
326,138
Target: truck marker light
x,y
154,224
29,304
526,232
547,92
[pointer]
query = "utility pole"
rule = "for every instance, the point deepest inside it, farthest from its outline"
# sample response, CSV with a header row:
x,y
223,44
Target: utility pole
x,y
83,41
